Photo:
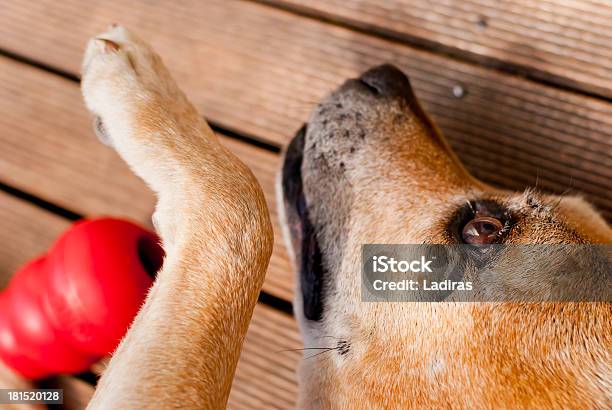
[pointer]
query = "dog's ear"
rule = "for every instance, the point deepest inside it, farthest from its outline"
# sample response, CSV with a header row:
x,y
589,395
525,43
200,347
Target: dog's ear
x,y
306,249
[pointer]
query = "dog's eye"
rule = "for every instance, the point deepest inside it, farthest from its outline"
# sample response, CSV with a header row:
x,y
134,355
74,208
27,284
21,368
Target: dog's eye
x,y
482,230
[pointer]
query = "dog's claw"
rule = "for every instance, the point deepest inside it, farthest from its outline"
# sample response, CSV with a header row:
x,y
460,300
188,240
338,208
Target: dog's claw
x,y
106,46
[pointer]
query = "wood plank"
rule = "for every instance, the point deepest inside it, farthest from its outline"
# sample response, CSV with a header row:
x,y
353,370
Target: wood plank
x,y
26,232
235,62
264,374
568,42
48,149
77,393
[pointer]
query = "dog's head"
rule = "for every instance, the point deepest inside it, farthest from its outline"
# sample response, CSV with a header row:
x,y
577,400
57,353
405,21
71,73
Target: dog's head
x,y
371,167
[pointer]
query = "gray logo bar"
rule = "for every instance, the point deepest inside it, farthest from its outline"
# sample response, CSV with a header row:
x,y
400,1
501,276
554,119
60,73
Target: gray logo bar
x,y
486,273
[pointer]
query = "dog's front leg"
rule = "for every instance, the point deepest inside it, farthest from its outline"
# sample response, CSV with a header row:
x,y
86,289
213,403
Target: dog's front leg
x,y
183,346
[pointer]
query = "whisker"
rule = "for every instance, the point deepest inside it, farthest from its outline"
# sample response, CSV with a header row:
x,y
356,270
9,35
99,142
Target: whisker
x,y
304,349
569,189
315,355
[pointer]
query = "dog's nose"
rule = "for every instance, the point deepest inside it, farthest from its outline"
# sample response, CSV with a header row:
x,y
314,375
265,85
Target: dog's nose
x,y
386,80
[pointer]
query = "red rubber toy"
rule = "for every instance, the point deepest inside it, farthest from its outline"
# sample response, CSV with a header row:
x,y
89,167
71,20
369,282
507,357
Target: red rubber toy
x,y
65,310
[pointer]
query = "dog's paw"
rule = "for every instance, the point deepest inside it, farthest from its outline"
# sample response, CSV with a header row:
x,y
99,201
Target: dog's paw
x,y
137,107
108,73
123,79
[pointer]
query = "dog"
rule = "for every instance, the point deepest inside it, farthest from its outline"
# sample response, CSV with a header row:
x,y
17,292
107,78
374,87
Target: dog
x,y
368,167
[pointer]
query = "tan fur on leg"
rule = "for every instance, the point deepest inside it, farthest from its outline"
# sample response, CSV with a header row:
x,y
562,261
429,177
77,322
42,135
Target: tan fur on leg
x,y
182,349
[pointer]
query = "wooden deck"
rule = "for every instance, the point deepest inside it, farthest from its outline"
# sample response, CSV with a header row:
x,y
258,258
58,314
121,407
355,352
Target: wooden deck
x,y
522,89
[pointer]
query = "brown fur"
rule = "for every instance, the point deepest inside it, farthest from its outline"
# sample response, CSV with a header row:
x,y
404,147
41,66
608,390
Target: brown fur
x,y
375,170
182,348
